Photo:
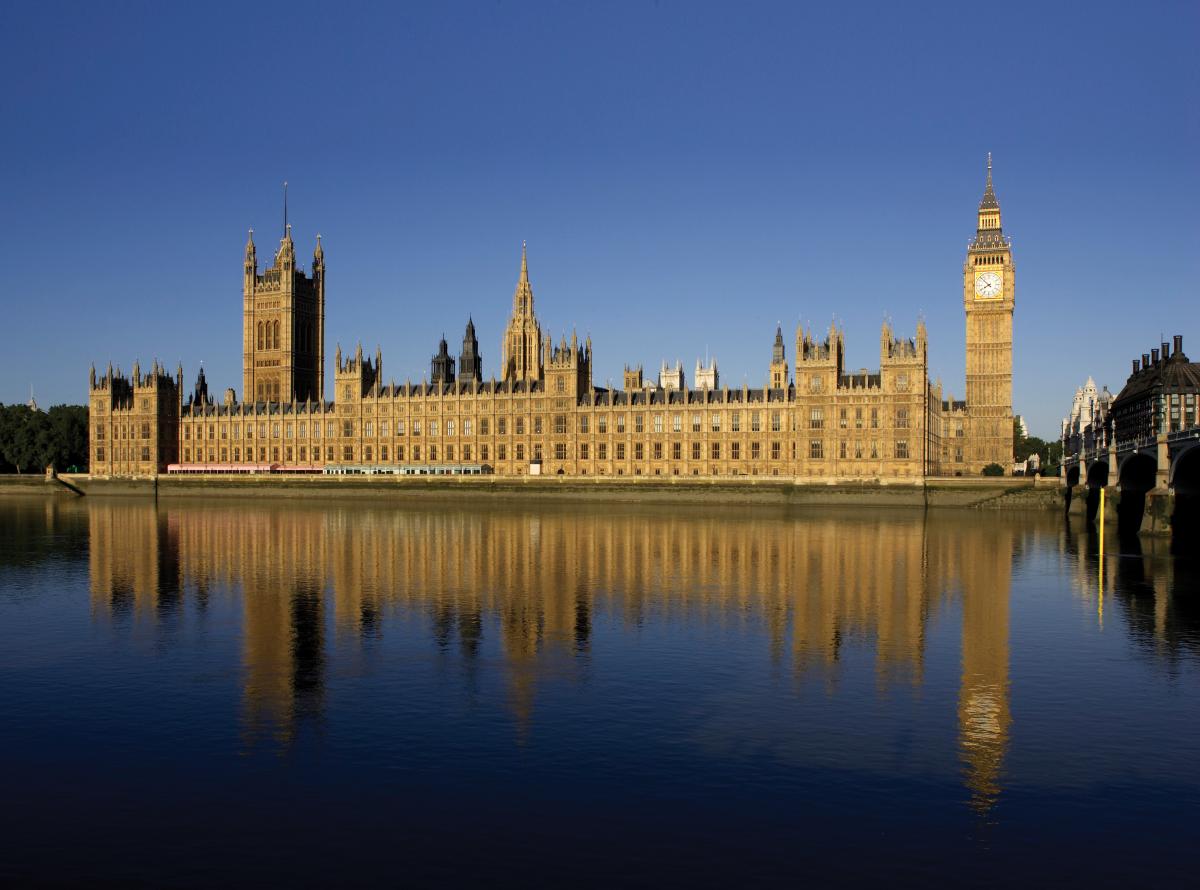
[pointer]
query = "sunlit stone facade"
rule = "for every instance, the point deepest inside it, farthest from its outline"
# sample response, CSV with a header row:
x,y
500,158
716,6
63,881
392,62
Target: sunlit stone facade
x,y
812,419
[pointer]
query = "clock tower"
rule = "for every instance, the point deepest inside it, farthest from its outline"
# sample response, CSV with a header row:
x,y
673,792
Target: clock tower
x,y
989,298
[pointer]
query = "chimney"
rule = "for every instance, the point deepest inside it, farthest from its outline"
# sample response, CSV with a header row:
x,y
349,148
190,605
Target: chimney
x,y
1135,366
1146,361
1166,350
1154,356
1178,344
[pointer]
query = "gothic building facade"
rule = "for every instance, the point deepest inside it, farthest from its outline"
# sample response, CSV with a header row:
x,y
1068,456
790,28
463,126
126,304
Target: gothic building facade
x,y
812,418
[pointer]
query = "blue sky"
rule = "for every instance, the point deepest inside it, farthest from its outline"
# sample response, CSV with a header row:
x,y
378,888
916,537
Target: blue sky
x,y
686,176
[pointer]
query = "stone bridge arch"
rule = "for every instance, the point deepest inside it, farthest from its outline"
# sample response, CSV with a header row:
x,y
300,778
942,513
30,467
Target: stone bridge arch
x,y
1185,480
1136,477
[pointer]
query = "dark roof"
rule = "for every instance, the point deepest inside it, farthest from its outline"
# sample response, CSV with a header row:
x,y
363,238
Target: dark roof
x,y
1173,375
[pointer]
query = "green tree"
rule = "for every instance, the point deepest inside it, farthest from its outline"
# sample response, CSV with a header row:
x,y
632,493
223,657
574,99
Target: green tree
x,y
29,440
993,470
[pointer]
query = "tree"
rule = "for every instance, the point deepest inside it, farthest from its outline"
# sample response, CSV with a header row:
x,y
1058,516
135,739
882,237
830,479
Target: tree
x,y
993,470
29,440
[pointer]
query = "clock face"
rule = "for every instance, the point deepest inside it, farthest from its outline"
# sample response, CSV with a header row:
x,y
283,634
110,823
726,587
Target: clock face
x,y
989,285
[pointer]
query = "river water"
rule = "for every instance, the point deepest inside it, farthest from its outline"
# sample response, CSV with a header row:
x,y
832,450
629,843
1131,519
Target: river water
x,y
228,692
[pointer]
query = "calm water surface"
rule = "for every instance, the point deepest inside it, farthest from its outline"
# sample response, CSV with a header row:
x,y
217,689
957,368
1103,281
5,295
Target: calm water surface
x,y
200,693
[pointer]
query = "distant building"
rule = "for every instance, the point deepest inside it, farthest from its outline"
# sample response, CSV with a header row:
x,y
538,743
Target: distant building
x,y
671,379
706,378
1087,428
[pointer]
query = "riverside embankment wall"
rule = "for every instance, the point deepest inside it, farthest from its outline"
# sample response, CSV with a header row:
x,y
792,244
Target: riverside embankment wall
x,y
997,494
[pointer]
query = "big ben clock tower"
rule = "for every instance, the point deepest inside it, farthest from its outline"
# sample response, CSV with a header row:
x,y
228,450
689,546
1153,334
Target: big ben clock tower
x,y
988,298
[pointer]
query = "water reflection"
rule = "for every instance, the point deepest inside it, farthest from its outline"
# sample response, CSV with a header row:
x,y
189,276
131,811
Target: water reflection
x,y
315,580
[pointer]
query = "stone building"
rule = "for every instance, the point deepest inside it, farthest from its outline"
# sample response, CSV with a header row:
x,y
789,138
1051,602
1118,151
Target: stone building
x,y
1161,396
543,413
1088,426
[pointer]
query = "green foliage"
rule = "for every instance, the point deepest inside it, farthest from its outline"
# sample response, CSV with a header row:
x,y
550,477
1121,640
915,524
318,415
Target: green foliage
x,y
993,470
29,440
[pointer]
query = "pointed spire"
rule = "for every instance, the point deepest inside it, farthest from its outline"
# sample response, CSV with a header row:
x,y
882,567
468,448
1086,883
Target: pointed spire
x,y
989,201
319,252
286,227
250,243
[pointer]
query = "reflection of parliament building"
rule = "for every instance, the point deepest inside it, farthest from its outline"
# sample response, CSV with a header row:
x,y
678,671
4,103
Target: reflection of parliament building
x,y
543,412
527,589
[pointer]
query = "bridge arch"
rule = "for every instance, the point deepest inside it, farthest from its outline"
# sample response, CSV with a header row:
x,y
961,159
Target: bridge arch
x,y
1136,479
1185,480
1073,476
1097,474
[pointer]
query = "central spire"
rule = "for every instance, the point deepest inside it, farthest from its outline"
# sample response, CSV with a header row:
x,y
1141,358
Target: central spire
x,y
523,295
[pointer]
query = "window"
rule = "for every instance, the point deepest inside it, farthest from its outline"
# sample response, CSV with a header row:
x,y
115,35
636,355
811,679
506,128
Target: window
x,y
602,424
658,450
842,418
901,418
676,450
735,450
520,451
584,423
714,421
274,431
842,450
347,429
775,422
755,421
560,448
902,450
560,424
331,429
483,426
816,451
695,451
399,452
639,422
537,426
145,453
502,451
858,419
347,452
874,450
602,451
449,452
677,422
466,452
755,450
433,452
519,426
620,451
383,428
501,426
697,420
369,428
774,451
874,418
416,427
433,428
814,383
560,384
735,421
368,456
483,453
620,423
399,427
583,450
716,450
639,451
449,427
816,418
658,423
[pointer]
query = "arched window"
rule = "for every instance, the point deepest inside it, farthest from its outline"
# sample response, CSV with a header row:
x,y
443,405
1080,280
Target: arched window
x,y
260,335
275,335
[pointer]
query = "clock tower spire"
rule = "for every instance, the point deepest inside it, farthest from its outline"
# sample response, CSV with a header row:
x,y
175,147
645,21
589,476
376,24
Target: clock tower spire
x,y
988,300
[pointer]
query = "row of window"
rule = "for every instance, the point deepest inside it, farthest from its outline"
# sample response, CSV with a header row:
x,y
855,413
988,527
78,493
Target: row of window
x,y
657,451
124,431
861,420
124,453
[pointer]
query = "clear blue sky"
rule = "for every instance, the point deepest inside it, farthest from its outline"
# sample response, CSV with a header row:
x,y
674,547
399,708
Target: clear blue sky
x,y
686,176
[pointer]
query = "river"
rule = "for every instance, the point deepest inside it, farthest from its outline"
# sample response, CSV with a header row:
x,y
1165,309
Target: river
x,y
234,692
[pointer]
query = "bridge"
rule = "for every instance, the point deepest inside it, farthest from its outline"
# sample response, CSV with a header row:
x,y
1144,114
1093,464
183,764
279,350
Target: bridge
x,y
1158,479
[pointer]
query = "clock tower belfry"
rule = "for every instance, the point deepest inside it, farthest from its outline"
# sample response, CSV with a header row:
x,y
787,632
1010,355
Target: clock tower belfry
x,y
988,300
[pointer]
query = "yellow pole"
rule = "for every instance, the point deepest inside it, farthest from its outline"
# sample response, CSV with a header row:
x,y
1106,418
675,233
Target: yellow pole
x,y
1100,596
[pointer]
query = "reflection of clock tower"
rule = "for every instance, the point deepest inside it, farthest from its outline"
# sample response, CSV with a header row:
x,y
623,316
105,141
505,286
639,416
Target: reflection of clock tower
x,y
988,297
